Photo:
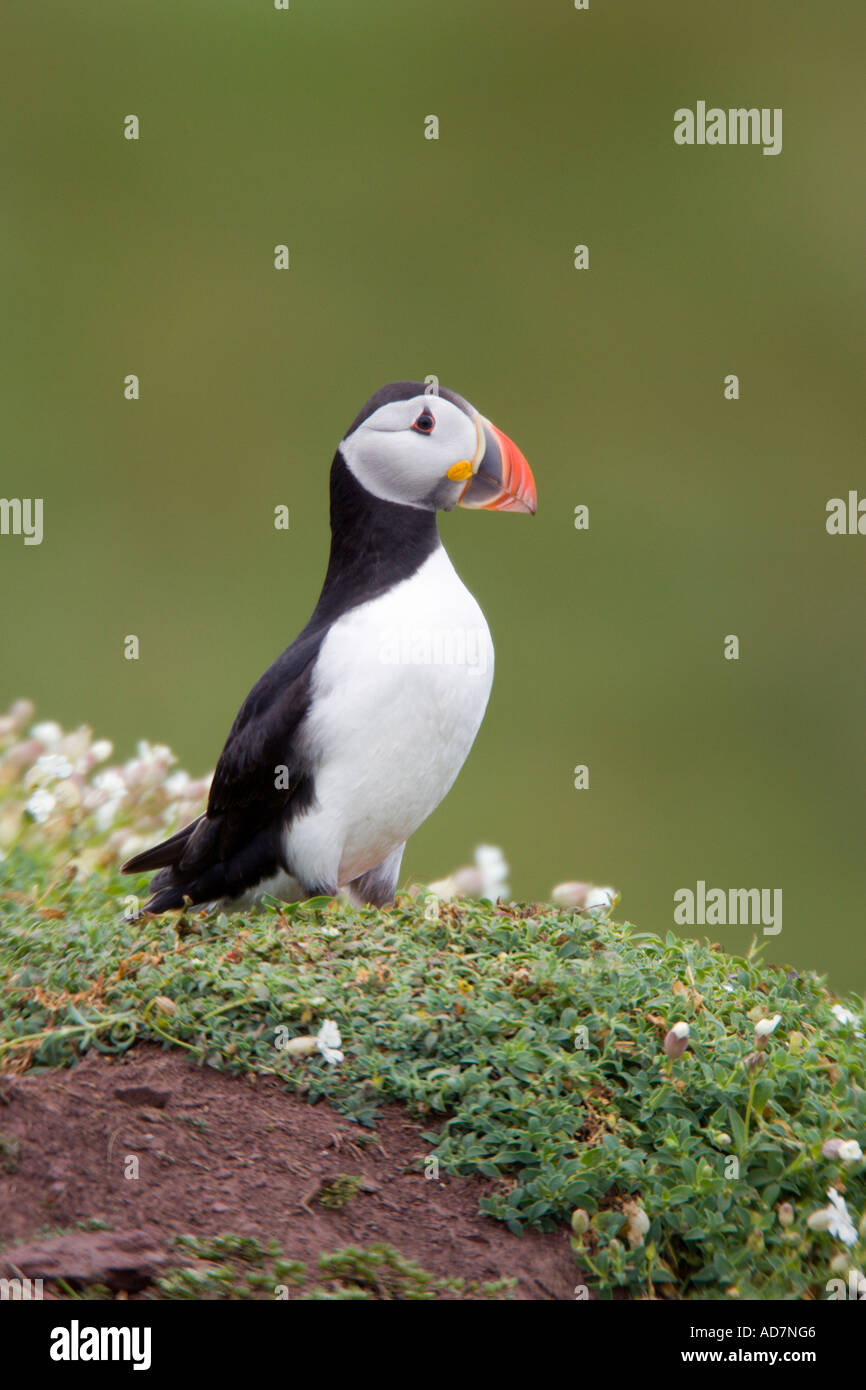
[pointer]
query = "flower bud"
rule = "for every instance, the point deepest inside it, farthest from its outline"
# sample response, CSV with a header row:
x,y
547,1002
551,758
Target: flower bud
x,y
638,1223
579,1221
847,1150
300,1047
676,1041
754,1061
820,1220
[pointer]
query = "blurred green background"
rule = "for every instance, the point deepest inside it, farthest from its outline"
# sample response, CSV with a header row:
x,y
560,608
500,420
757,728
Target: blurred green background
x,y
454,257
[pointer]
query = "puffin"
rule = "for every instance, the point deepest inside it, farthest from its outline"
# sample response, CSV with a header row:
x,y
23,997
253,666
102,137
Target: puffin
x,y
357,731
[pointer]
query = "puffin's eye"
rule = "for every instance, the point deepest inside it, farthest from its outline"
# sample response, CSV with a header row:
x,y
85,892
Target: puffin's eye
x,y
425,422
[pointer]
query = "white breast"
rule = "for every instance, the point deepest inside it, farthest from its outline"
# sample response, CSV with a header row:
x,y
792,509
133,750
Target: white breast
x,y
399,691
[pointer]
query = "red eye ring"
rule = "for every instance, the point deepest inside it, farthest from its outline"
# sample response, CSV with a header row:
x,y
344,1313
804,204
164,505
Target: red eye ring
x,y
425,423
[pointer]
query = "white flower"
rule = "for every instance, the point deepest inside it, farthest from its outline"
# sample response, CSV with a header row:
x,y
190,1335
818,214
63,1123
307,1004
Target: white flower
x,y
101,749
602,897
41,804
50,767
820,1219
486,878
68,794
444,889
75,745
110,781
104,815
111,789
846,1017
466,881
835,1219
329,931
841,1224
494,872
154,752
570,894
177,783
329,1042
48,732
128,845
848,1150
765,1026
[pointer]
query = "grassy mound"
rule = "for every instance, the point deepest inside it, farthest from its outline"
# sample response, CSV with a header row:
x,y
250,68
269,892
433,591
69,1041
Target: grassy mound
x,y
534,1033
531,1036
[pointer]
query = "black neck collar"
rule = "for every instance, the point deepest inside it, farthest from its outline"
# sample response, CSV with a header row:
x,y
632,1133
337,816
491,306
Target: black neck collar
x,y
374,544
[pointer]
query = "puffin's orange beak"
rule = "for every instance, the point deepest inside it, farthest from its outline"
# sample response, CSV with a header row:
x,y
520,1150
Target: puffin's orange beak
x,y
502,480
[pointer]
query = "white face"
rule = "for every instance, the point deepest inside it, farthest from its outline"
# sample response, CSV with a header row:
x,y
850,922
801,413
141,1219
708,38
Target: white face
x,y
405,451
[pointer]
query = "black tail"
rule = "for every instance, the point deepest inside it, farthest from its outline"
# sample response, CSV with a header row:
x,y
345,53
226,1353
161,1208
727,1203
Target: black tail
x,y
167,852
202,864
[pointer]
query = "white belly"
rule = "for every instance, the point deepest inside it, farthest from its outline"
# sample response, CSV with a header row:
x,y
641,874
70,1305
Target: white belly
x,y
399,691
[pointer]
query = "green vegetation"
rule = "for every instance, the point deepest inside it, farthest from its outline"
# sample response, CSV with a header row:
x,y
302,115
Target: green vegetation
x,y
239,1267
473,1020
8,1153
530,1039
338,1191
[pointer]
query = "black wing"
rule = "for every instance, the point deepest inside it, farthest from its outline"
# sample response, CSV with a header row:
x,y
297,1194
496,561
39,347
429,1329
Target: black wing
x,y
260,779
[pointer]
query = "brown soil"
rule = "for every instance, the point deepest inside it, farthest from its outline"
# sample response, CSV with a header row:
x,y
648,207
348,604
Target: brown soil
x,y
218,1154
